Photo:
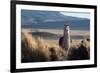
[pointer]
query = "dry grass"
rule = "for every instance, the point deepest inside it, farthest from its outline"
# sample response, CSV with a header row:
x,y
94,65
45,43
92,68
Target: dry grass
x,y
33,48
36,49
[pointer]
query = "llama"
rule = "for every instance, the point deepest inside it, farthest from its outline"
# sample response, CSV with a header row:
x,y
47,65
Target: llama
x,y
81,52
64,42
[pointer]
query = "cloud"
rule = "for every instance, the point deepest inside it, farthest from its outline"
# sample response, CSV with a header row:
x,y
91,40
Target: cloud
x,y
77,14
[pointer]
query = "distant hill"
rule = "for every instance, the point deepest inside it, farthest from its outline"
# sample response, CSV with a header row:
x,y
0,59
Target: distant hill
x,y
48,35
51,20
44,34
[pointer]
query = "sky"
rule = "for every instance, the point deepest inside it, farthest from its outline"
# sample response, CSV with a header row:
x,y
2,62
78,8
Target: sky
x,y
77,14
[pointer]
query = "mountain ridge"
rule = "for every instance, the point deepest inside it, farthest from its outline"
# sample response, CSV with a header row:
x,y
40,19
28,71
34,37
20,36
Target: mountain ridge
x,y
51,20
45,16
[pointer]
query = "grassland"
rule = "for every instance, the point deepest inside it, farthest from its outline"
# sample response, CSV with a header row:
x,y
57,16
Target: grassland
x,y
42,45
